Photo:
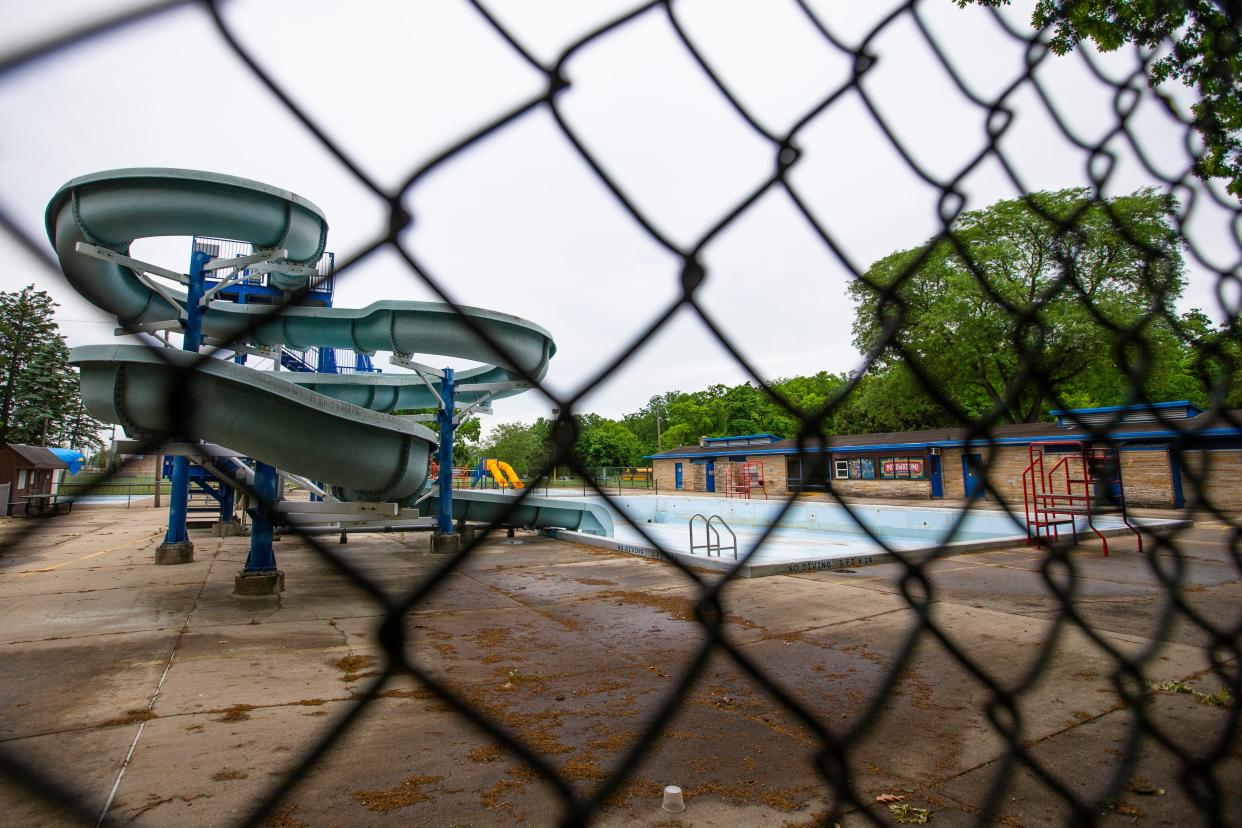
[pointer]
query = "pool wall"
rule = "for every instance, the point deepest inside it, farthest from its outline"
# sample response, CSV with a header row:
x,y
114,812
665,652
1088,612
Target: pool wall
x,y
980,530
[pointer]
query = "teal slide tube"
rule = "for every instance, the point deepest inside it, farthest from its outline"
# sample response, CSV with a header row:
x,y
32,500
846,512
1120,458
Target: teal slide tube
x,y
328,427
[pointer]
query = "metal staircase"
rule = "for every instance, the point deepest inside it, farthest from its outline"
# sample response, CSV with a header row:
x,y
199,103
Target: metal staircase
x,y
743,480
1066,481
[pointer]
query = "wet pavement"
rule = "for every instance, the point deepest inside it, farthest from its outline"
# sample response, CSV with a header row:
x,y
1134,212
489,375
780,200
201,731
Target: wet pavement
x,y
214,698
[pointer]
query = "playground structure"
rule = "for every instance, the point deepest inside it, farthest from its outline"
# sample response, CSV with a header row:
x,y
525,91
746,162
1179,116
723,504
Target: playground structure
x,y
499,472
312,422
1066,483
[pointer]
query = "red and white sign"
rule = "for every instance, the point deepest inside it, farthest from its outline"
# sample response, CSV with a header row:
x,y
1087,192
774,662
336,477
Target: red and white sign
x,y
902,468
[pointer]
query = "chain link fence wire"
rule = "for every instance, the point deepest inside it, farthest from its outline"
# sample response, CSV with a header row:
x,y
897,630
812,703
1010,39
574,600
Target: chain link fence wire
x,y
835,755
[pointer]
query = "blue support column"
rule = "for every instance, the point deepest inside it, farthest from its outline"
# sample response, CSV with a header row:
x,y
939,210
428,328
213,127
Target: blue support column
x,y
226,502
444,512
176,547
260,576
261,559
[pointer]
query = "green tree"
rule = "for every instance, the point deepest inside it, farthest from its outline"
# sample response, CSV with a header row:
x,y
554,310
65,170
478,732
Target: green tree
x,y
465,436
40,402
1053,293
525,447
889,399
1214,361
1206,55
607,443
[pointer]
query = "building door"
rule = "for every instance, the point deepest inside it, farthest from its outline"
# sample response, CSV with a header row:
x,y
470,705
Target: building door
x,y
711,475
972,473
933,473
677,476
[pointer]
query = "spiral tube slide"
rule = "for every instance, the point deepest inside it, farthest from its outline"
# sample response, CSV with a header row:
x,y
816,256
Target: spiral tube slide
x,y
324,426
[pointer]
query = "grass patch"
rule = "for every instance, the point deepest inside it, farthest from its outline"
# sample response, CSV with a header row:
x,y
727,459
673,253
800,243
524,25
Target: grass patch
x,y
236,713
408,792
130,717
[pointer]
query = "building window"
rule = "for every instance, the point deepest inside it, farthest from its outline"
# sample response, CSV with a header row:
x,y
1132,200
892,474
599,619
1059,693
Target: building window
x,y
21,478
861,468
903,468
842,469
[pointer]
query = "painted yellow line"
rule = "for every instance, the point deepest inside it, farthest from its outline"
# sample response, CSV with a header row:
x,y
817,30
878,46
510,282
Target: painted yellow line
x,y
75,560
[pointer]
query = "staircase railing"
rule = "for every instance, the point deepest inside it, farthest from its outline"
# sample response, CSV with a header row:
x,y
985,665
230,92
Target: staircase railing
x,y
710,532
1046,508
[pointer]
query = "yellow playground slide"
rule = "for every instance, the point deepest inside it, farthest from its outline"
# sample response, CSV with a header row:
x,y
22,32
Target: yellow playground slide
x,y
504,474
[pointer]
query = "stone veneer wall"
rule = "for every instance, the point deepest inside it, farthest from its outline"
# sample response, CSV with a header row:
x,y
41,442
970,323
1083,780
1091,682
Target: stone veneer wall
x,y
883,488
1147,478
694,476
1004,471
1221,471
1146,474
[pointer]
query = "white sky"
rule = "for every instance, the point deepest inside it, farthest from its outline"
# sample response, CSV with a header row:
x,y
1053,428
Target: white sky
x,y
519,223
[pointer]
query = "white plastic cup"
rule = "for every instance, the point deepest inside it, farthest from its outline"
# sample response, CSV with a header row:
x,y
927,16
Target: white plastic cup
x,y
673,801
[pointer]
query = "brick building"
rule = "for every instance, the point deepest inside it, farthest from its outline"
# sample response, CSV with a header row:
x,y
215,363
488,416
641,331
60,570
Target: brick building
x,y
28,471
1169,454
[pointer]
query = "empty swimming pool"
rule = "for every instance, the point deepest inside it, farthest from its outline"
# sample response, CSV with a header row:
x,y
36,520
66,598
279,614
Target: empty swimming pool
x,y
811,535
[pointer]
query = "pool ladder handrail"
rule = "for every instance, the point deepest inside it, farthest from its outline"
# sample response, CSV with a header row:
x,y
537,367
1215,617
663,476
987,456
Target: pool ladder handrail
x,y
710,530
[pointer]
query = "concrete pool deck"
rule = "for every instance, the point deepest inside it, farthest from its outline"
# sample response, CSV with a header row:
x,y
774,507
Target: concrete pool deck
x,y
572,648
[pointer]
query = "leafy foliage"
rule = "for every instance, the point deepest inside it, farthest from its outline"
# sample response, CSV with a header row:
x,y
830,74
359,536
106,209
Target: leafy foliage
x,y
1204,52
1051,299
1054,295
40,403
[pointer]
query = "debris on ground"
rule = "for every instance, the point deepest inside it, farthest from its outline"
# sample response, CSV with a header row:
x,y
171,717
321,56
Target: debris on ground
x,y
1221,698
1139,785
907,814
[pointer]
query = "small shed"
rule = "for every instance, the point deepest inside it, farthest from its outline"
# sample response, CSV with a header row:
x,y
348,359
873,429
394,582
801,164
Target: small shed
x,y
26,470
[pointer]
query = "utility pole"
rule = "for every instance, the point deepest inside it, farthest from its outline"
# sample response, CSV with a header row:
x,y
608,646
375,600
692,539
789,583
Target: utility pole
x,y
556,413
659,435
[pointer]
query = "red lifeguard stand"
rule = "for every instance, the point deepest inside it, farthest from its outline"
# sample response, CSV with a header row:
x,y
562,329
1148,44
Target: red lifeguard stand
x,y
1068,480
743,480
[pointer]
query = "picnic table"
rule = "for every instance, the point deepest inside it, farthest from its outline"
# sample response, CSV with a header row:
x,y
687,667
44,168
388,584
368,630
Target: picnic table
x,y
48,504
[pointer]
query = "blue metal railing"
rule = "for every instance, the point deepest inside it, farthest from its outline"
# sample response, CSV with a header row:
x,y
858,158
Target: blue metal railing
x,y
327,361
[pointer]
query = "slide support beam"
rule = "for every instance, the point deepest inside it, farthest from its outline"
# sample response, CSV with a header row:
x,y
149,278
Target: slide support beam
x,y
177,548
445,539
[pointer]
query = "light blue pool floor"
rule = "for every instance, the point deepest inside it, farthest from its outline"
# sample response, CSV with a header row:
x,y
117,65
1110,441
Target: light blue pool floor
x,y
783,546
665,520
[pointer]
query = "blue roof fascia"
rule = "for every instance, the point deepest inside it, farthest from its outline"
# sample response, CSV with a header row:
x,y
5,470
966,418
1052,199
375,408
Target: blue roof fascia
x,y
741,437
1106,409
997,441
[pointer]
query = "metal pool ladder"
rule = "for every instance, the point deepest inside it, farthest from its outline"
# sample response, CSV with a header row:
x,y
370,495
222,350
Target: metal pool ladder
x,y
710,532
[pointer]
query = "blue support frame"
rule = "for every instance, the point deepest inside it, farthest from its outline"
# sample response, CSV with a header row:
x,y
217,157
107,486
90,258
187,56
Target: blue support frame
x,y
192,338
1175,474
226,502
444,510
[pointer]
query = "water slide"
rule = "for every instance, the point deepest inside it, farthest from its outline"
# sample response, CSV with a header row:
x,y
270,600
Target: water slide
x,y
330,427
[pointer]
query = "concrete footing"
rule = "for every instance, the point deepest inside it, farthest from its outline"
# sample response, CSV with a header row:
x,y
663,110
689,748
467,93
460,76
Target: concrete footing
x,y
227,530
445,543
467,535
167,554
259,583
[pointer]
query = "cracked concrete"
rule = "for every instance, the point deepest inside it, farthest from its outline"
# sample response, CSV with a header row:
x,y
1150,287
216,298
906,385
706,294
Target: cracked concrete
x,y
573,649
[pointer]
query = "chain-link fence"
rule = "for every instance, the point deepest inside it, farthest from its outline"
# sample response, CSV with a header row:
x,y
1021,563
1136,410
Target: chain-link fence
x,y
1204,776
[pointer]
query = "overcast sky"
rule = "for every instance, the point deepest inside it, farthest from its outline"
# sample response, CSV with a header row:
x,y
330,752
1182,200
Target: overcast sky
x,y
519,223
